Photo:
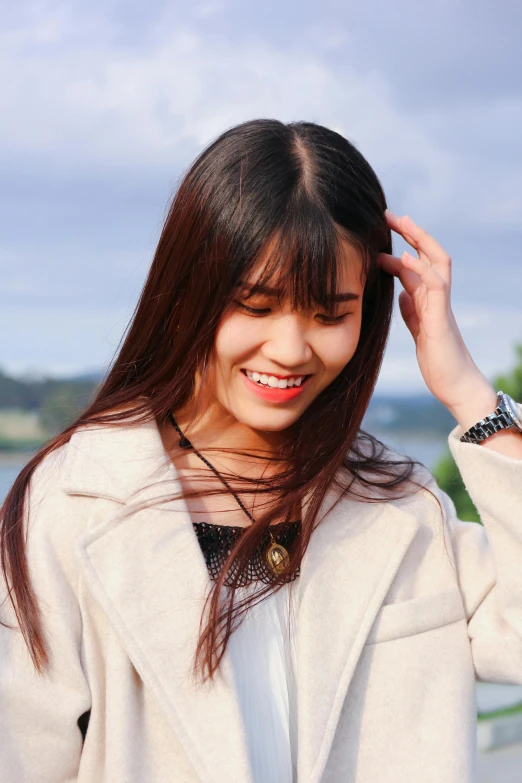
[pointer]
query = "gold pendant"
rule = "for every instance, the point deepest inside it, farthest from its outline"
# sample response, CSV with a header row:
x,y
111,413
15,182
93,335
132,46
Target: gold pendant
x,y
277,558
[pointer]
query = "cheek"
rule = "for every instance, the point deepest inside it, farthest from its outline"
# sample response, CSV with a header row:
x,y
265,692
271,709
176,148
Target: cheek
x,y
337,348
234,340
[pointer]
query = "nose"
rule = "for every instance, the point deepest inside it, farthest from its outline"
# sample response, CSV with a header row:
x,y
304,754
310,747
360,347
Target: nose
x,y
288,343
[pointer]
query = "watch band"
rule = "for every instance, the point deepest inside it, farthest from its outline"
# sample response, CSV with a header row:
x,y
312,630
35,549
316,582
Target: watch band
x,y
500,419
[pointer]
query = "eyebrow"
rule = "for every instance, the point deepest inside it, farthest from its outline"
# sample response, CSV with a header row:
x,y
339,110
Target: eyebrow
x,y
253,289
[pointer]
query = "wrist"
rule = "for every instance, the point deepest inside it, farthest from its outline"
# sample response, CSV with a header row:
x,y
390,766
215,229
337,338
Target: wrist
x,y
480,402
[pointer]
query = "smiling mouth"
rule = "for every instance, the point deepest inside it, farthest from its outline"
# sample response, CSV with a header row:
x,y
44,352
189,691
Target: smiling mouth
x,y
273,382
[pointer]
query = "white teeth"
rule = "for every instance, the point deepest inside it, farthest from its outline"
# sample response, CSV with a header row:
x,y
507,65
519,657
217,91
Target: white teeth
x,y
273,382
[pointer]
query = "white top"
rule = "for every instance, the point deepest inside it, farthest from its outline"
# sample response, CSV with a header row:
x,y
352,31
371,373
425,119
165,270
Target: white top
x,y
263,654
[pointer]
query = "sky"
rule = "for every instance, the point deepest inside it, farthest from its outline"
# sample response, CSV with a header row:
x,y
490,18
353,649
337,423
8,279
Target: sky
x,y
105,105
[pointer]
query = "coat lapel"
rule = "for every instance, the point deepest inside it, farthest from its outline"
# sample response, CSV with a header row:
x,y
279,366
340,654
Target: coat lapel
x,y
145,568
148,573
348,568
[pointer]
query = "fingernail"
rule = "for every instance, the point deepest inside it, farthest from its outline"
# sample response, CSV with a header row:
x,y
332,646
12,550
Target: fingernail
x,y
390,213
408,218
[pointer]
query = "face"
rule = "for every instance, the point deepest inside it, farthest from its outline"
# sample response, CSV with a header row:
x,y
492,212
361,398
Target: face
x,y
271,362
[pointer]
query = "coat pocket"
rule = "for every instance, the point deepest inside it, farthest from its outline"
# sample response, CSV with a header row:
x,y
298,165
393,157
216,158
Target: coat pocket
x,y
417,615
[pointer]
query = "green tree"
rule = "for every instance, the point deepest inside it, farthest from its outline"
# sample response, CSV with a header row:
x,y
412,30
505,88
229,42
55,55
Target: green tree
x,y
446,471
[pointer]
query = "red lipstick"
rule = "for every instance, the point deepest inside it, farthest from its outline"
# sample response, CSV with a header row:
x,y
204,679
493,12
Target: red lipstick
x,y
271,394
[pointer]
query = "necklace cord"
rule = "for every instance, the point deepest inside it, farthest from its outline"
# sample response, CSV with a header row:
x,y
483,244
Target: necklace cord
x,y
185,443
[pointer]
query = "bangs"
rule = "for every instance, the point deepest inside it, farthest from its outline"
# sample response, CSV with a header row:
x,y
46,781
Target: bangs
x,y
302,260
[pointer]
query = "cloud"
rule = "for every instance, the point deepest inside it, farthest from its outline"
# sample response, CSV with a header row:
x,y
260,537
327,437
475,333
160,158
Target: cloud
x,y
77,97
104,106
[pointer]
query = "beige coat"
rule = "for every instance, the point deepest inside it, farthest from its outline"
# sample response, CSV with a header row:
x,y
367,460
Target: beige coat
x,y
390,637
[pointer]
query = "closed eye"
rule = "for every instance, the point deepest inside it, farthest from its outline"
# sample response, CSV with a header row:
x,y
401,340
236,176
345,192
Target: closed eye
x,y
252,310
257,311
333,319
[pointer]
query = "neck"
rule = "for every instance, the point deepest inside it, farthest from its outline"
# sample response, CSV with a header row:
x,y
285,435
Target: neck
x,y
217,428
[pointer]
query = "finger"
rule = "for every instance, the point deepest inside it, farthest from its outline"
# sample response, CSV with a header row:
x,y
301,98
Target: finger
x,y
409,313
423,242
428,248
393,221
428,274
394,266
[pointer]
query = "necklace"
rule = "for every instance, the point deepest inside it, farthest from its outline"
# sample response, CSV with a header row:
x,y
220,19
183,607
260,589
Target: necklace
x,y
276,555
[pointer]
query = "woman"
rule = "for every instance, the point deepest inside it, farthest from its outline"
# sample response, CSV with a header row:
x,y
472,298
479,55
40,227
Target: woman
x,y
214,574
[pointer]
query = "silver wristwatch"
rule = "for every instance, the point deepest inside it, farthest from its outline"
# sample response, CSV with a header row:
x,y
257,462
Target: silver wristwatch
x,y
507,415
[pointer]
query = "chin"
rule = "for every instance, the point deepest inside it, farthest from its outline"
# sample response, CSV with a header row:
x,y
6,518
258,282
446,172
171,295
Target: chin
x,y
269,421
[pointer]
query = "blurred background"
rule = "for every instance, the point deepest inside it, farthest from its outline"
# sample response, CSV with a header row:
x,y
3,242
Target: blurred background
x,y
105,105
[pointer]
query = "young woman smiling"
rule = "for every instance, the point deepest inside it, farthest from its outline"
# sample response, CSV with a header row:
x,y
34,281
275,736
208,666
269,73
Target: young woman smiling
x,y
214,574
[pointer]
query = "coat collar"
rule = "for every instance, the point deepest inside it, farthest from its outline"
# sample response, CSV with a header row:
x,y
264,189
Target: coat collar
x,y
115,462
145,568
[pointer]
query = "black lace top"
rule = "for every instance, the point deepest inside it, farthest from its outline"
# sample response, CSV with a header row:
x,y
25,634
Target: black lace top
x,y
216,540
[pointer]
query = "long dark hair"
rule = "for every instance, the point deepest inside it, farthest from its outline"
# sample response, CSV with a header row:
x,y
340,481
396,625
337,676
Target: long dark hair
x,y
308,188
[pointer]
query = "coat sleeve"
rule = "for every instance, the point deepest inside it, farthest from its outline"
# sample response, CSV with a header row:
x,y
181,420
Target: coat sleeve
x,y
40,740
488,559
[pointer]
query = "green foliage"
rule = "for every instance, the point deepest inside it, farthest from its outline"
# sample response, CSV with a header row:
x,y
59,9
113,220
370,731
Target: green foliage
x,y
17,394
447,473
28,395
10,445
62,407
516,709
56,402
450,481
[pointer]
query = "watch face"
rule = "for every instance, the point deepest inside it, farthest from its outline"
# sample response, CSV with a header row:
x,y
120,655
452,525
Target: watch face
x,y
514,410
